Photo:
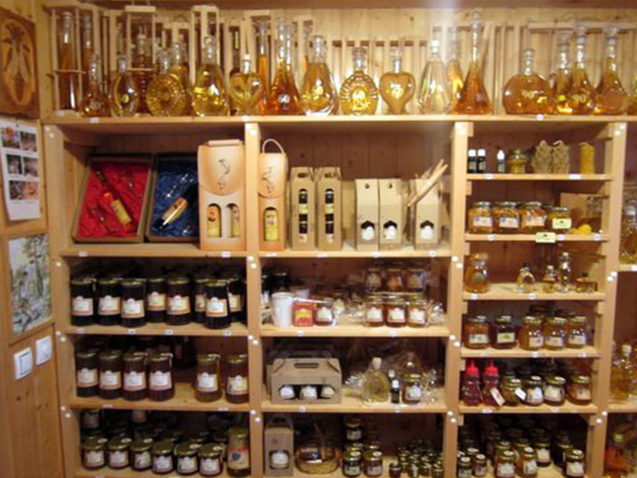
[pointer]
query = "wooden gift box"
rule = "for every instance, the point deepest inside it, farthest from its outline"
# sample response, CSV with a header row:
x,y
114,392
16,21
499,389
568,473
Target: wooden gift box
x,y
168,157
272,198
302,180
367,210
329,179
122,159
278,436
316,371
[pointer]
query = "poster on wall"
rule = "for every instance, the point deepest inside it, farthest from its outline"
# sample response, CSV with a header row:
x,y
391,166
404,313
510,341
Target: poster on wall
x,y
30,282
20,171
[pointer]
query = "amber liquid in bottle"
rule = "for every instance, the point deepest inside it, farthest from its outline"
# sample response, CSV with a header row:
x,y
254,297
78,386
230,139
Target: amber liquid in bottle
x,y
68,82
455,78
632,101
142,67
434,93
124,95
397,86
284,96
612,99
358,95
116,205
209,95
95,102
87,48
245,89
318,94
263,66
527,92
581,96
179,69
563,78
166,95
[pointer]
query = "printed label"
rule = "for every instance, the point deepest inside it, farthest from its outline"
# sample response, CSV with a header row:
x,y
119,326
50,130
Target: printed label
x,y
156,301
536,342
234,302
178,305
520,394
413,393
505,338
574,469
506,470
132,309
207,382
354,434
239,459
536,397
87,377
110,380
417,316
374,315
324,314
108,305
561,223
396,315
161,380
94,458
543,455
82,307
186,464
557,342
200,303
577,339
530,467
509,223
478,339
142,460
217,307
117,459
375,470
162,464
237,385
134,381
553,394
209,466
534,221
497,396
482,221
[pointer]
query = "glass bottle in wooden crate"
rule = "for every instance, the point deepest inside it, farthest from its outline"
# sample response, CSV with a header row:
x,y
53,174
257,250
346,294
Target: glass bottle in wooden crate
x,y
612,99
246,89
319,96
283,98
527,92
87,47
581,96
434,93
473,97
454,72
124,94
209,94
166,95
397,86
359,95
67,77
143,70
563,78
179,69
95,102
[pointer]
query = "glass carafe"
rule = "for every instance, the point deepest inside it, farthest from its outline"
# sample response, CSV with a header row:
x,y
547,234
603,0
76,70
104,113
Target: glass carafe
x,y
612,99
434,92
283,98
179,69
397,86
263,65
359,95
563,78
95,102
318,93
209,95
527,92
87,47
67,78
581,96
454,72
166,95
142,67
245,89
628,238
124,94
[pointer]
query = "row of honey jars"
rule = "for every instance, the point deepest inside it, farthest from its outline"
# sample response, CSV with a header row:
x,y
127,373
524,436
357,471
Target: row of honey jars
x,y
510,217
411,310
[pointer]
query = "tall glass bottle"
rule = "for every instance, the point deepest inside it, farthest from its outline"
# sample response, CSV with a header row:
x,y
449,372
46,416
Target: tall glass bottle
x,y
209,94
142,66
434,92
318,93
473,97
263,66
87,48
358,95
179,69
166,95
563,78
95,102
68,81
397,86
581,96
454,72
124,93
527,92
245,89
284,96
628,238
612,99
622,375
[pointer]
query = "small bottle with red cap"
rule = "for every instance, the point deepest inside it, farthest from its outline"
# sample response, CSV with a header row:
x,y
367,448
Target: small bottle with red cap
x,y
490,393
470,391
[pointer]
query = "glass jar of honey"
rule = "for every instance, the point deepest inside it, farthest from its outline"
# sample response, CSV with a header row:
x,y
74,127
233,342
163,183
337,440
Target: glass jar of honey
x,y
574,466
207,387
505,465
503,333
373,279
374,311
394,281
507,217
516,162
178,304
576,337
528,463
237,378
476,278
554,392
533,391
555,333
480,218
530,334
559,219
579,389
511,390
532,217
395,312
417,312
476,332
160,377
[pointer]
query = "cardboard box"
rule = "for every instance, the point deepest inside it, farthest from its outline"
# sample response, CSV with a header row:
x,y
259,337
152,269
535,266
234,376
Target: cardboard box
x,y
222,215
315,371
391,213
302,209
329,207
278,437
426,217
272,214
367,218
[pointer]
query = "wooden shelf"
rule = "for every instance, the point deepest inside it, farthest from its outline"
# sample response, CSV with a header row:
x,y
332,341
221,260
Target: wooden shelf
x,y
130,473
532,237
507,291
543,472
338,473
195,330
354,330
627,267
538,177
585,352
568,407
629,406
348,251
184,401
146,249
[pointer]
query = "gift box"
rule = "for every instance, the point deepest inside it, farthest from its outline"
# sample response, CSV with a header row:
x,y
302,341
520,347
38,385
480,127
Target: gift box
x,y
278,438
302,209
296,373
426,217
115,196
391,213
367,214
329,230
272,198
173,214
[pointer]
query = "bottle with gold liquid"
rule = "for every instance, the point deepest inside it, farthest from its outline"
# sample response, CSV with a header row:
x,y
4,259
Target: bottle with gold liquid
x,y
166,95
632,101
142,68
319,96
245,89
622,375
563,79
628,237
283,98
179,69
124,95
177,208
113,200
270,225
397,86
209,95
263,65
525,280
454,72
95,102
87,48
527,92
358,95
473,98
434,92
581,96
612,99
67,78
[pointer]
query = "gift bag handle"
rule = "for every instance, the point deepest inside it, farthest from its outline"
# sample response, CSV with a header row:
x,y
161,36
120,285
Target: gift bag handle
x,y
271,140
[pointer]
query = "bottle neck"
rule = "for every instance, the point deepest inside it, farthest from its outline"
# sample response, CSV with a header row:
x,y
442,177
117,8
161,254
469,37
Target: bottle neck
x,y
563,62
67,29
611,55
262,39
246,66
397,64
580,56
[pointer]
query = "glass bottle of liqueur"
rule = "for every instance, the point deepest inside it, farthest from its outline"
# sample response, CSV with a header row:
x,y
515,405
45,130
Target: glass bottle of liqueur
x,y
87,48
581,96
283,98
166,95
622,375
632,101
177,208
454,72
612,99
564,272
209,94
563,78
179,69
358,95
527,92
263,66
142,66
319,96
397,86
549,279
112,199
95,102
67,78
124,95
434,93
246,89
376,385
525,281
473,97
628,238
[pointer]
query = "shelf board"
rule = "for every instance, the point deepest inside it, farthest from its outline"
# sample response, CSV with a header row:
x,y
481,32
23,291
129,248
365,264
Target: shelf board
x,y
507,291
145,249
354,330
130,473
538,177
517,352
349,251
568,407
543,472
629,406
183,401
193,329
627,267
338,473
532,237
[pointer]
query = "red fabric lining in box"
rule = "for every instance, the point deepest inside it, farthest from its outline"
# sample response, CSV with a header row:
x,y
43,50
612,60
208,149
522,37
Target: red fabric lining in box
x,y
128,182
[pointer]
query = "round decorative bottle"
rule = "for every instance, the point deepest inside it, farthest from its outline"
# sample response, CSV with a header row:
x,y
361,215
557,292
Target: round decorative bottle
x,y
434,93
397,86
209,95
527,92
612,98
318,93
246,89
283,98
581,96
95,102
358,95
124,94
166,95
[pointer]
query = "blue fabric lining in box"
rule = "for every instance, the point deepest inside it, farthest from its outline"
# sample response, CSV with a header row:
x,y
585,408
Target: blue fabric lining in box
x,y
176,173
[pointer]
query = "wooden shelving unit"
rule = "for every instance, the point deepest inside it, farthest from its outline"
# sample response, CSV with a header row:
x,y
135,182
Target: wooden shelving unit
x,y
533,237
627,267
269,330
523,409
129,473
192,329
517,352
506,291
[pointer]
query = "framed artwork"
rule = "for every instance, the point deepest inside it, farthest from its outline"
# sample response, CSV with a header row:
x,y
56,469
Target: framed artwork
x,y
18,78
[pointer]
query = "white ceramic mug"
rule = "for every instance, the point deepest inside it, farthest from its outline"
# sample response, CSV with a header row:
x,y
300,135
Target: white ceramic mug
x,y
282,308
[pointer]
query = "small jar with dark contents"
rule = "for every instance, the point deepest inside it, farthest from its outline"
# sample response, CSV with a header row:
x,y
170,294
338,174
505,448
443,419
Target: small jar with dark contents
x,y
133,310
210,460
217,310
110,366
82,301
178,301
208,378
86,369
140,454
134,376
160,377
109,301
352,463
163,457
118,452
237,378
238,454
93,453
503,333
156,299
186,458
236,298
373,463
199,285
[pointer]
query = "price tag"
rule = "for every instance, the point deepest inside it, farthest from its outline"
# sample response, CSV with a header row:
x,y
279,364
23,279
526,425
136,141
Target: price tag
x,y
131,331
302,409
555,410
473,296
392,333
597,237
270,254
226,254
561,237
397,410
80,330
532,296
169,332
487,410
226,333
491,237
574,176
94,120
376,254
488,176
321,255
82,253
497,396
107,405
299,333
633,268
539,117
222,409
535,354
520,394
545,237
432,253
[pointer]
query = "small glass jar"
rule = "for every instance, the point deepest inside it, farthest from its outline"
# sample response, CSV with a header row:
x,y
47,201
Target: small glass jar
x,y
464,467
109,301
413,390
559,219
505,465
110,367
236,297
543,450
325,312
160,377
373,463
199,283
82,301
156,299
476,333
530,334
352,463
186,457
516,162
217,310
554,390
579,389
479,466
555,333
396,470
238,452
86,373
507,217
141,457
394,281
576,337
585,285
533,391
374,311
134,387
395,312
373,279
574,464
178,303
210,460
476,278
417,312
133,298
237,376
480,218
416,279
353,429
503,333
93,454
511,389
207,385
532,217
117,451
163,457
528,463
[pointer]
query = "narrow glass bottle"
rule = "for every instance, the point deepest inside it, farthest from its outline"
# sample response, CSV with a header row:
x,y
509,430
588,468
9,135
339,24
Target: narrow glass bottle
x,y
142,67
318,94
263,65
612,99
209,94
246,89
622,375
166,95
473,97
179,69
434,92
397,86
67,78
87,48
628,237
124,95
527,92
581,96
564,272
454,72
525,281
358,95
95,102
563,78
283,98
632,101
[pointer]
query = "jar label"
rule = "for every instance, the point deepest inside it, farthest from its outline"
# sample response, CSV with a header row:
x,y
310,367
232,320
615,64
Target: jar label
x,y
217,307
200,303
351,469
553,394
81,306
237,385
396,315
416,316
186,464
279,460
178,305
464,473
132,309
374,315
156,301
577,339
209,466
134,381
117,459
530,467
324,315
505,338
543,455
234,302
509,223
374,470
141,460
426,231
561,223
482,221
574,469
581,393
87,377
413,393
238,459
506,470
535,396
354,434
536,342
520,394
497,396
534,220
479,470
108,305
207,382
163,464
160,380
94,458
478,339
303,316
555,342
110,380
